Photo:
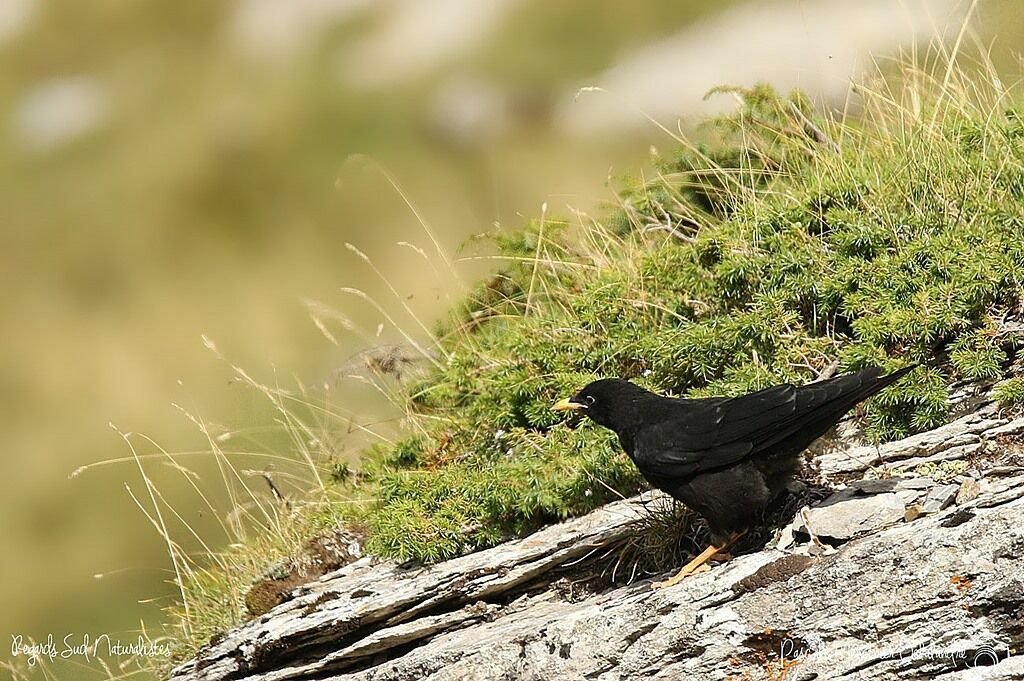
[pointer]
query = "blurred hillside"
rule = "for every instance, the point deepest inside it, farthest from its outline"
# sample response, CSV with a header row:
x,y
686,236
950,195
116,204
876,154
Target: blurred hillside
x,y
169,170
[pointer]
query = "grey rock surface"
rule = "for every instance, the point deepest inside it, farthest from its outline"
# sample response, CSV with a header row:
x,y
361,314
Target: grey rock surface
x,y
852,517
958,439
969,491
848,518
931,597
940,497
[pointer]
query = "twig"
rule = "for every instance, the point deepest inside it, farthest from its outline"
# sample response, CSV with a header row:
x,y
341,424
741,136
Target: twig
x,y
275,491
829,371
813,131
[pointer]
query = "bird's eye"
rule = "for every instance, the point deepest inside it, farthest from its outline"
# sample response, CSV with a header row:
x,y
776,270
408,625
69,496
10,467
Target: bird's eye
x,y
590,400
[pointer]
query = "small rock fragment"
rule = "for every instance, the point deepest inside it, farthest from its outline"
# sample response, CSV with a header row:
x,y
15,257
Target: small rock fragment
x,y
848,518
322,554
969,491
908,496
912,513
939,498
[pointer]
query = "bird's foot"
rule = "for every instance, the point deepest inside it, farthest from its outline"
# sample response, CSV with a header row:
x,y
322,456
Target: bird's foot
x,y
680,576
698,564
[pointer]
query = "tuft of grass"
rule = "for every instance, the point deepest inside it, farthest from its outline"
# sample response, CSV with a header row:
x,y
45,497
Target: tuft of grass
x,y
278,503
667,535
781,244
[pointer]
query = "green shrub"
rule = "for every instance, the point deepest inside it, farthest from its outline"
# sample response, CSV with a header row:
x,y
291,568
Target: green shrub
x,y
1010,393
760,259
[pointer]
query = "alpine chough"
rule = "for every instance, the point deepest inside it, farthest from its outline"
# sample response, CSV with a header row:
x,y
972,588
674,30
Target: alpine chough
x,y
725,458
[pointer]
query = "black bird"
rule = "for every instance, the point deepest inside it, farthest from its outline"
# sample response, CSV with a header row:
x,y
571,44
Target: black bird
x,y
725,458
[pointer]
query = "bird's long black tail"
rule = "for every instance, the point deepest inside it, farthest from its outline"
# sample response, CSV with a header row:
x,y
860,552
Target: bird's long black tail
x,y
856,387
821,405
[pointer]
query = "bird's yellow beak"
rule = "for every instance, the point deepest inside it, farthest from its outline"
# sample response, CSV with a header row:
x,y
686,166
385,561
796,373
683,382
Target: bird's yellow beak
x,y
566,405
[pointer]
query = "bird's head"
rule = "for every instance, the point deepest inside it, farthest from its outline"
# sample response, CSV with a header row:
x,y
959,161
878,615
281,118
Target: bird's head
x,y
611,402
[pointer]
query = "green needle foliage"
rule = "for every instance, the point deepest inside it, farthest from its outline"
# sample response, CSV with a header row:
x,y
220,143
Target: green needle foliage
x,y
763,256
1010,394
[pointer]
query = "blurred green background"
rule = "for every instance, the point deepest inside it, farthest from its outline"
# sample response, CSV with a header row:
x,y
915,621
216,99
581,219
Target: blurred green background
x,y
169,170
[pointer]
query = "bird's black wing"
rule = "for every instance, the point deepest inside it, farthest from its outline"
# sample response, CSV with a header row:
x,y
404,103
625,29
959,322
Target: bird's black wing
x,y
699,435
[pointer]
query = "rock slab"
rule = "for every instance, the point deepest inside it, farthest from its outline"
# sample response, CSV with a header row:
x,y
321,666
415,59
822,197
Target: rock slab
x,y
937,595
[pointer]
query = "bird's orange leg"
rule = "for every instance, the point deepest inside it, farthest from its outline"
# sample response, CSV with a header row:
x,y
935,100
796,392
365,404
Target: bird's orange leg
x,y
689,568
695,564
